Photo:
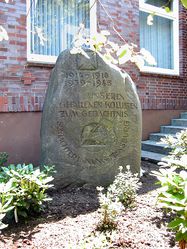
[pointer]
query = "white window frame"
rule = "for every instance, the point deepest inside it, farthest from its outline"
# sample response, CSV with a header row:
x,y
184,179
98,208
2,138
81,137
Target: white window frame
x,y
46,59
174,16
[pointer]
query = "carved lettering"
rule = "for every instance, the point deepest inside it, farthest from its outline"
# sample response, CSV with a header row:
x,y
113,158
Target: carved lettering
x,y
98,104
103,105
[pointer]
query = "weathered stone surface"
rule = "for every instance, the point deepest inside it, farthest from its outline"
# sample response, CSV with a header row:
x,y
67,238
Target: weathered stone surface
x,y
91,121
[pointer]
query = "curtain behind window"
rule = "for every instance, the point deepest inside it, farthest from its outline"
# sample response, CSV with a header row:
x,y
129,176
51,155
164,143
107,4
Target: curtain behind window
x,y
54,24
158,39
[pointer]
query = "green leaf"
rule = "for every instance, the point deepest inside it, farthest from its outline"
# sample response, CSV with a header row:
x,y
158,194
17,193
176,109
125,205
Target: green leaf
x,y
184,230
2,216
48,199
179,236
175,223
37,173
8,202
167,9
185,190
184,2
19,166
12,167
10,208
2,225
9,185
172,207
31,168
5,169
174,196
15,173
123,53
47,180
22,213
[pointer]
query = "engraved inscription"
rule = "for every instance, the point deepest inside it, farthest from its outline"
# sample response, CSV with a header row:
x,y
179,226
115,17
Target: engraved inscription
x,y
104,114
98,133
64,145
96,113
98,104
95,78
94,134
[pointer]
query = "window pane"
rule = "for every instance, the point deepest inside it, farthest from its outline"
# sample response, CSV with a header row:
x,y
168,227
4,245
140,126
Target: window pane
x,y
159,3
54,24
158,39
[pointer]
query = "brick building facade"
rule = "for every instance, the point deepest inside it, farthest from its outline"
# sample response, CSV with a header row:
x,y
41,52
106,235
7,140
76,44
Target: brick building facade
x,y
23,84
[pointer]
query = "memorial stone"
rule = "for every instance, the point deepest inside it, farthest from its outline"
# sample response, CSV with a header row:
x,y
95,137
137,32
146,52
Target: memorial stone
x,y
91,121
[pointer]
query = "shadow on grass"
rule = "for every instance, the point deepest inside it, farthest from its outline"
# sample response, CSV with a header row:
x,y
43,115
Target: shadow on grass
x,y
163,221
147,179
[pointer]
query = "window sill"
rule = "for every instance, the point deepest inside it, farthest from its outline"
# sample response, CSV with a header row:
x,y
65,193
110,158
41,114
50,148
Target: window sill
x,y
40,64
159,72
41,60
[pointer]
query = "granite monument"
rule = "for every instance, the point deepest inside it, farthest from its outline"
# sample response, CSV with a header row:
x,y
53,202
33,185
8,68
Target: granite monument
x,y
91,121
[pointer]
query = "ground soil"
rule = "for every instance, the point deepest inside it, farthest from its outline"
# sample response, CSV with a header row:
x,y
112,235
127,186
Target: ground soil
x,y
73,215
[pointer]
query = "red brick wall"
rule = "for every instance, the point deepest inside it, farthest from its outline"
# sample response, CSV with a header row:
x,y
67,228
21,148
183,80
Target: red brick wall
x,y
23,86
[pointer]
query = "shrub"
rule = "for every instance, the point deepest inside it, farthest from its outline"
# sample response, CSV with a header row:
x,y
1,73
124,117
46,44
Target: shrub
x,y
3,158
178,154
125,186
120,194
173,197
23,189
110,207
173,180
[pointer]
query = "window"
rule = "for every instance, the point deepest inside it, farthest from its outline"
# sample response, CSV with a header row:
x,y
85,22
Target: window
x,y
52,25
161,38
